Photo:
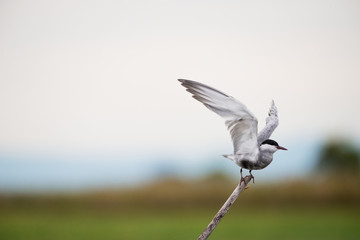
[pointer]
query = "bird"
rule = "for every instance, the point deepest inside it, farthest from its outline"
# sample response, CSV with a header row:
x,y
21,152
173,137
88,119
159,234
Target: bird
x,y
252,150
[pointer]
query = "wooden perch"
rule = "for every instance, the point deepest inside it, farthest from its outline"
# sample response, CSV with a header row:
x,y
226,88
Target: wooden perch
x,y
223,210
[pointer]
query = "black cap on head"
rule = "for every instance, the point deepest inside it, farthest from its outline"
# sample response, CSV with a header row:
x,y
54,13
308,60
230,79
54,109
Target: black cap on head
x,y
274,143
270,142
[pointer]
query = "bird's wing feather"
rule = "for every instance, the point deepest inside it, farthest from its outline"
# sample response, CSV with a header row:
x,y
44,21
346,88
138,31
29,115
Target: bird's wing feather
x,y
272,121
241,123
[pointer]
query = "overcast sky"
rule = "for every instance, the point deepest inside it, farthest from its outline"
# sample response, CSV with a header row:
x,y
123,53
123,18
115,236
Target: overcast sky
x,y
99,77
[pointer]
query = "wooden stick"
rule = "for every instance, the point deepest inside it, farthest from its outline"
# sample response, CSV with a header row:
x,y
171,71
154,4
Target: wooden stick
x,y
223,210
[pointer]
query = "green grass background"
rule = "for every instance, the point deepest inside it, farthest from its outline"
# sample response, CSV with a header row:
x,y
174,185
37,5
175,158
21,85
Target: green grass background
x,y
176,210
182,224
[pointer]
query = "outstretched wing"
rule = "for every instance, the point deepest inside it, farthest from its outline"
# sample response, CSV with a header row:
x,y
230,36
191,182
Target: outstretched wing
x,y
241,123
272,121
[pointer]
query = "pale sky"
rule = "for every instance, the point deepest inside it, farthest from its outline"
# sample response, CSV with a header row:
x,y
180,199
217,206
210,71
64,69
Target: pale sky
x,y
99,77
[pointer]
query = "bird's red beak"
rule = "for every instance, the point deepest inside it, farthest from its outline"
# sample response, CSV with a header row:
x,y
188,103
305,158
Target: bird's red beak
x,y
281,148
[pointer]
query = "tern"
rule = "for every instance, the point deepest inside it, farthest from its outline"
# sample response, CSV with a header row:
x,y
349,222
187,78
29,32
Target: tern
x,y
252,151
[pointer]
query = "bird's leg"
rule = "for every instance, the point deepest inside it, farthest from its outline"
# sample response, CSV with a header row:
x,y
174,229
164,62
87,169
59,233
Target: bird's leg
x,y
252,176
241,179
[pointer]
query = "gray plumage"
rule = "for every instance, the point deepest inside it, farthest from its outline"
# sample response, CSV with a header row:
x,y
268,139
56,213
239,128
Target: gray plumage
x,y
251,150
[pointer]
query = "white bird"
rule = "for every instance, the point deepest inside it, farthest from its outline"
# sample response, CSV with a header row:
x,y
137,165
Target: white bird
x,y
252,151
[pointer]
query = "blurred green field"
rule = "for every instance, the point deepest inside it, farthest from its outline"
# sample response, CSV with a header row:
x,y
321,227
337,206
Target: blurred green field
x,y
305,223
176,210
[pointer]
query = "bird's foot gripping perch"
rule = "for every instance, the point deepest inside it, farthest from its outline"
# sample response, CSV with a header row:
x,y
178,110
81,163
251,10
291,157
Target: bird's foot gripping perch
x,y
242,179
252,177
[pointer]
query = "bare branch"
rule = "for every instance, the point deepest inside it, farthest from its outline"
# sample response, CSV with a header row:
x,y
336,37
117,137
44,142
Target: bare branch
x,y
223,210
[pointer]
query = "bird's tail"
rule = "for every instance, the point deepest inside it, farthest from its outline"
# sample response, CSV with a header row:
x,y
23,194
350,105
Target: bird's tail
x,y
230,156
